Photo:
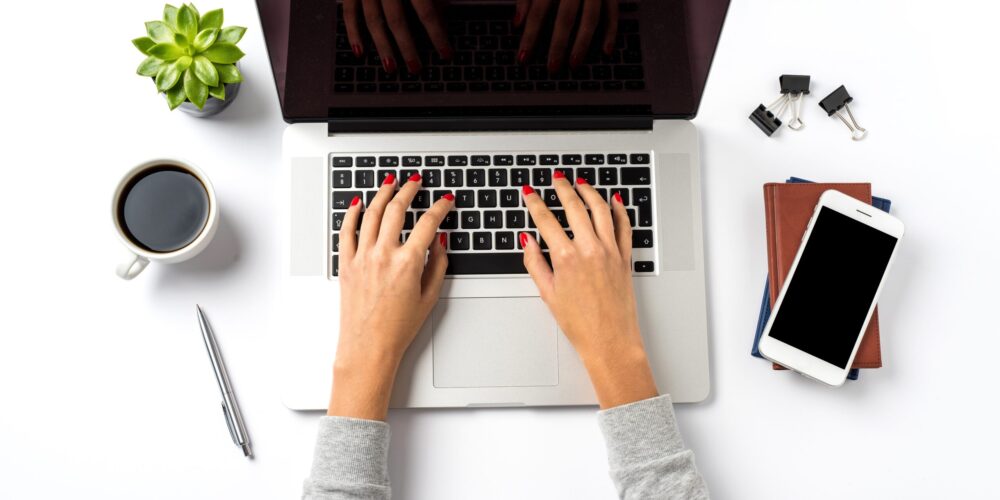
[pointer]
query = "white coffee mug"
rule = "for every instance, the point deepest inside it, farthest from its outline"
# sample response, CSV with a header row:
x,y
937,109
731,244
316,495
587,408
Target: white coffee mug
x,y
140,257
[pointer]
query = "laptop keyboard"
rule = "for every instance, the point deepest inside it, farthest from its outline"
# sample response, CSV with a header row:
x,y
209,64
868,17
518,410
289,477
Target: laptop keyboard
x,y
485,61
489,212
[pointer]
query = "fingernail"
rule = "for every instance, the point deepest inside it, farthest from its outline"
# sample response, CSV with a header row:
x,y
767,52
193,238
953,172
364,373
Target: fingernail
x,y
389,179
554,64
356,49
558,174
522,56
517,18
527,189
524,240
415,178
443,239
618,196
448,196
389,63
413,67
574,62
355,200
609,48
447,54
581,180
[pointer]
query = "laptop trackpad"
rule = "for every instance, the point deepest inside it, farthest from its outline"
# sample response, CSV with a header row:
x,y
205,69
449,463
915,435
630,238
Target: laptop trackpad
x,y
494,342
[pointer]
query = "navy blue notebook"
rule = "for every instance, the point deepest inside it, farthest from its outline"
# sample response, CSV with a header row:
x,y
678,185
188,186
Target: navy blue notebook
x,y
765,305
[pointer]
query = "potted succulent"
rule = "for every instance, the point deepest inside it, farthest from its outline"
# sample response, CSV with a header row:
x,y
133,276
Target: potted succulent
x,y
192,59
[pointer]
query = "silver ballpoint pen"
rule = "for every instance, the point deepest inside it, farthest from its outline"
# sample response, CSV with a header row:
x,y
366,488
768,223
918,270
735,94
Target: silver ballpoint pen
x,y
230,409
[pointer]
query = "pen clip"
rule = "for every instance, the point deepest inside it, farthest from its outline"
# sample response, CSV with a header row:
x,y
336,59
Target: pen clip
x,y
229,422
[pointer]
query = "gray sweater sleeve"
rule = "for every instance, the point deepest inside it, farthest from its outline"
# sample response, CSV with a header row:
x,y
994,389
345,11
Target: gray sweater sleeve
x,y
351,461
646,453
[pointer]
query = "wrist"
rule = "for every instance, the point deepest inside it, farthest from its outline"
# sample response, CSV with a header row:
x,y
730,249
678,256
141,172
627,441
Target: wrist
x,y
621,376
362,386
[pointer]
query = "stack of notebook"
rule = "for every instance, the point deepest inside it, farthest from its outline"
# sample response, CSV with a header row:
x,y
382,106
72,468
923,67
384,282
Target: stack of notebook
x,y
788,208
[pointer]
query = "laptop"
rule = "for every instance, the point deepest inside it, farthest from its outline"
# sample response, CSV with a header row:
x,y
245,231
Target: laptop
x,y
480,125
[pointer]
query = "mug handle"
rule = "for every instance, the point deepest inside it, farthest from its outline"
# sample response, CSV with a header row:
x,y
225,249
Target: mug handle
x,y
132,267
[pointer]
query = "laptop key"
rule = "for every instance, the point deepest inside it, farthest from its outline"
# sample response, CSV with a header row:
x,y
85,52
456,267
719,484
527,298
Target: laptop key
x,y
458,161
527,159
551,198
342,178
382,174
642,238
487,198
434,161
408,221
594,159
366,161
459,241
481,160
431,177
503,160
631,216
643,266
364,178
515,219
470,219
450,220
334,267
482,240
519,177
607,176
475,177
336,242
571,159
498,177
369,196
486,263
342,199
509,198
453,177
560,216
541,177
587,174
633,176
618,159
465,198
492,219
549,159
412,161
505,240
343,161
422,199
642,198
388,161
338,220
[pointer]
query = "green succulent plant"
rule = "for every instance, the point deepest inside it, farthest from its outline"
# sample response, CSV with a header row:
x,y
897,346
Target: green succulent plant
x,y
190,56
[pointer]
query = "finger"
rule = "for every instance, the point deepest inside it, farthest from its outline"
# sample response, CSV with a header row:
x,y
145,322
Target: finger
x,y
533,24
585,33
396,19
623,228
424,231
520,11
433,277
537,266
576,213
395,212
547,224
431,20
376,26
348,245
600,213
353,31
611,28
565,19
374,213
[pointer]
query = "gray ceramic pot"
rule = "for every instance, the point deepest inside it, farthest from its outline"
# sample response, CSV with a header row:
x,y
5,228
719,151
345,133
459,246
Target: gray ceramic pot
x,y
212,105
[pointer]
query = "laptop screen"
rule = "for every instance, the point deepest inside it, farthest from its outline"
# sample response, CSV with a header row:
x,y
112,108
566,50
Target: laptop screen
x,y
384,61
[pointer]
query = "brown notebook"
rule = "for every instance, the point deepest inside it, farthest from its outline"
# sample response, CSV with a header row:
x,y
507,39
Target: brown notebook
x,y
788,208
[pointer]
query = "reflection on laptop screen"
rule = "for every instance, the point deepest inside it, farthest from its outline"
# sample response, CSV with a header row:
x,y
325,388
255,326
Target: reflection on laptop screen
x,y
471,59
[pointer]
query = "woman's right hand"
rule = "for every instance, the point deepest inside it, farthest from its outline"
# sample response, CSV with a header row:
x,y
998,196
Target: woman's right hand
x,y
378,14
588,287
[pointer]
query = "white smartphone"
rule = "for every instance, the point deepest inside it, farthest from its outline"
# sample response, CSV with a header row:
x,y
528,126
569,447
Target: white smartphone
x,y
832,288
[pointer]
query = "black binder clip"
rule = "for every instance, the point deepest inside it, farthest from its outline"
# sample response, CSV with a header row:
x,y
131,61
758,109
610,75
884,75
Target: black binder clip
x,y
838,100
768,118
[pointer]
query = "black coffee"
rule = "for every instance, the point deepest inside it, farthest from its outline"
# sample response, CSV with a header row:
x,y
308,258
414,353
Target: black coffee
x,y
163,209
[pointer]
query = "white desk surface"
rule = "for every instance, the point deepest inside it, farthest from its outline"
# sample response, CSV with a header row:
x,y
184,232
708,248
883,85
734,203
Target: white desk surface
x,y
106,390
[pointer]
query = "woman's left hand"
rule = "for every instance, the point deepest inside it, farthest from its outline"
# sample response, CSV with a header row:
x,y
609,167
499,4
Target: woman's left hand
x,y
387,290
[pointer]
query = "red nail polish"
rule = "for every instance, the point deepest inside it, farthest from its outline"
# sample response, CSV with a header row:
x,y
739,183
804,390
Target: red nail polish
x,y
581,180
448,196
355,200
415,178
524,240
356,49
522,57
389,179
526,189
447,54
413,67
618,197
389,63
558,174
443,239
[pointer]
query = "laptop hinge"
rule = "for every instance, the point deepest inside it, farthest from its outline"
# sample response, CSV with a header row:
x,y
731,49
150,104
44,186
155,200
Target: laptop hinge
x,y
432,124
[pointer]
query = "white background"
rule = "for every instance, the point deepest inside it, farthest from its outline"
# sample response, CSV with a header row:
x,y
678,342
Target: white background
x,y
106,392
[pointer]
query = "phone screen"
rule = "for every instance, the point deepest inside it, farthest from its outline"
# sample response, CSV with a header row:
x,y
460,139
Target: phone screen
x,y
833,287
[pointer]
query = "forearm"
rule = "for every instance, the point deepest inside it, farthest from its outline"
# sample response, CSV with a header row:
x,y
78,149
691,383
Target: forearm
x,y
646,454
362,385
